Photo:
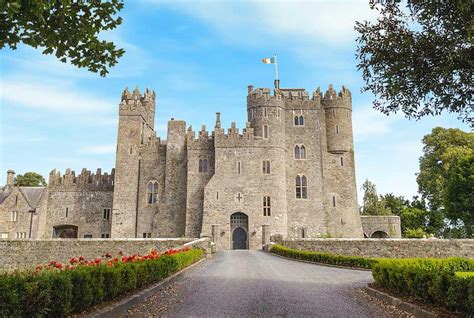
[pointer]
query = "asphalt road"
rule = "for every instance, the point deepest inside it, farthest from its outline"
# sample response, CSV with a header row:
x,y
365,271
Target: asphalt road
x,y
255,283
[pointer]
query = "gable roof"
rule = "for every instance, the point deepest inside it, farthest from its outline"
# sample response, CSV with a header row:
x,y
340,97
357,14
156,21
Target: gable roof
x,y
32,195
4,193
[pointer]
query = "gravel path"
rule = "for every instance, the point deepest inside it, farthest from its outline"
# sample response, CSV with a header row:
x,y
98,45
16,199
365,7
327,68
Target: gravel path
x,y
255,283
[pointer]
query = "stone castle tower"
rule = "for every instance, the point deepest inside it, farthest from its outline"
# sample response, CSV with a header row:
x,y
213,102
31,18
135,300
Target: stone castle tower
x,y
289,172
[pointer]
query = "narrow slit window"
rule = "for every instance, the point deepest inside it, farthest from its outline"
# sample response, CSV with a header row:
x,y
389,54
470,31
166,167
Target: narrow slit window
x,y
266,206
337,129
265,131
66,212
266,166
334,201
342,161
265,111
239,167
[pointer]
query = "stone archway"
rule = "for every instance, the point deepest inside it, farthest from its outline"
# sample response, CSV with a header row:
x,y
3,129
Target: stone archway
x,y
239,223
379,234
65,231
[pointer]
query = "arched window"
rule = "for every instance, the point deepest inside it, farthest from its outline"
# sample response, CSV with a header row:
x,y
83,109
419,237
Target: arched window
x,y
297,152
296,121
152,192
301,187
303,152
301,120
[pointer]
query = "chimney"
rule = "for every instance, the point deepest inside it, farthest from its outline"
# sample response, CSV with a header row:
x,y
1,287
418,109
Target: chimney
x,y
10,177
218,120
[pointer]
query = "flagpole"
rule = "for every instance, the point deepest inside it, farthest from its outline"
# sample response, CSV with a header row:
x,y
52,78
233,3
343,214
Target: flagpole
x,y
277,81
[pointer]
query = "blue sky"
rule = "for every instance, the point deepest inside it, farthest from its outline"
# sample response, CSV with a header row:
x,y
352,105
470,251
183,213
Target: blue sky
x,y
199,58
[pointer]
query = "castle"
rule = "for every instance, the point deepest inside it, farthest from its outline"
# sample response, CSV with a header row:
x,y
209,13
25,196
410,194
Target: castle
x,y
290,172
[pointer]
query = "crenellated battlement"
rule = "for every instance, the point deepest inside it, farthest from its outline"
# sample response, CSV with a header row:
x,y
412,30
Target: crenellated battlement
x,y
84,181
332,98
137,103
203,141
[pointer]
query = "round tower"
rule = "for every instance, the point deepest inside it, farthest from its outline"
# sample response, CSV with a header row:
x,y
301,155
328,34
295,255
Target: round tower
x,y
338,114
266,115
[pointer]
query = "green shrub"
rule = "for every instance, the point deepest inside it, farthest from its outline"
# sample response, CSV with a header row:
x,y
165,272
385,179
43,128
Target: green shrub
x,y
327,258
432,281
415,233
58,293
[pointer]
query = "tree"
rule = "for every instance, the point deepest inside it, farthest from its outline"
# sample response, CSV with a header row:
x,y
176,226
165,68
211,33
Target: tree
x,y
371,205
395,204
68,29
29,179
446,173
418,59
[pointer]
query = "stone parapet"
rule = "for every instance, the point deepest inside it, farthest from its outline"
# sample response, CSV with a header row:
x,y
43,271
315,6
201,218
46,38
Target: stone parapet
x,y
391,248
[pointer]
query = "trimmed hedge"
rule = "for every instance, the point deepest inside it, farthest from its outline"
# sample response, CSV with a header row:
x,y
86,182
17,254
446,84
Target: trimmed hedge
x,y
326,258
58,293
433,281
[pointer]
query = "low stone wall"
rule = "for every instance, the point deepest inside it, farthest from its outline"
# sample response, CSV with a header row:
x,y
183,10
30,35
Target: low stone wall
x,y
393,248
29,253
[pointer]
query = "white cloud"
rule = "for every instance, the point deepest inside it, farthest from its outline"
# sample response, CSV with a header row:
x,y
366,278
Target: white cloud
x,y
253,22
367,123
53,96
98,150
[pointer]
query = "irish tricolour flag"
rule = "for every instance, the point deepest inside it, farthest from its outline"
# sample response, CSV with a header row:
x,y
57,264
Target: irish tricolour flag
x,y
270,60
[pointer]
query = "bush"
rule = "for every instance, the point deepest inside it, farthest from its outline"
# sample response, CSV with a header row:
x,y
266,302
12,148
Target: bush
x,y
327,258
57,291
432,281
415,233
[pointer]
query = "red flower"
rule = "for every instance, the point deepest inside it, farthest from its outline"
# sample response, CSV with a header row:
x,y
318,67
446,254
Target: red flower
x,y
57,265
97,260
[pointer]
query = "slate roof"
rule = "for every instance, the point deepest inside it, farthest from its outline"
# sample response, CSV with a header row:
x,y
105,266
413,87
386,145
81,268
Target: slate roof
x,y
32,195
4,193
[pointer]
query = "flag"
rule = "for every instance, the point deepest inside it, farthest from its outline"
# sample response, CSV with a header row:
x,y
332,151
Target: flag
x,y
269,60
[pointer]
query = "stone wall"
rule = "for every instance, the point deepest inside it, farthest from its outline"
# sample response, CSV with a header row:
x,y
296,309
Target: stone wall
x,y
381,226
29,253
393,248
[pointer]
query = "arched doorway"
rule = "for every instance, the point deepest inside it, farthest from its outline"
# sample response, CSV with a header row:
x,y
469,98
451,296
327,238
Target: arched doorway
x,y
65,231
379,234
239,223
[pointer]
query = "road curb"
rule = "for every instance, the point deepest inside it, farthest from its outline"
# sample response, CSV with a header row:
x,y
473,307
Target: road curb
x,y
123,305
410,308
322,264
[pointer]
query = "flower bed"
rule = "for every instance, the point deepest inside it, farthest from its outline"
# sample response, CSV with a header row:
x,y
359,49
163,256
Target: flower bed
x,y
433,281
57,290
326,258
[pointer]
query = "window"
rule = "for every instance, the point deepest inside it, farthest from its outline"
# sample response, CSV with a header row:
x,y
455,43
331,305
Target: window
x,y
266,167
300,152
147,235
301,187
337,129
334,201
14,216
66,212
88,236
265,131
152,193
278,113
202,165
334,113
342,161
239,167
299,121
217,195
105,235
266,206
265,112
20,235
4,235
106,214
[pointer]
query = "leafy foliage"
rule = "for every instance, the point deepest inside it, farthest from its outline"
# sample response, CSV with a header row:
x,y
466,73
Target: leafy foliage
x,y
432,281
371,204
418,59
55,290
446,175
327,258
68,29
29,179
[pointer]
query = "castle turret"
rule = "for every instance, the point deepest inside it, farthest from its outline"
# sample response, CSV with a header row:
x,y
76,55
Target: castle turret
x,y
338,113
175,179
136,121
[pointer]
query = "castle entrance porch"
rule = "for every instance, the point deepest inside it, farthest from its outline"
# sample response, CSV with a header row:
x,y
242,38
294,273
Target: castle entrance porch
x,y
239,223
65,231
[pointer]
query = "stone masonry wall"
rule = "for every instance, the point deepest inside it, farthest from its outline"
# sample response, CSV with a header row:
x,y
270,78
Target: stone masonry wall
x,y
393,248
29,253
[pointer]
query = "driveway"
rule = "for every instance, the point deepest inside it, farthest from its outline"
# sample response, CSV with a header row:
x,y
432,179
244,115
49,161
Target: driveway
x,y
255,283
